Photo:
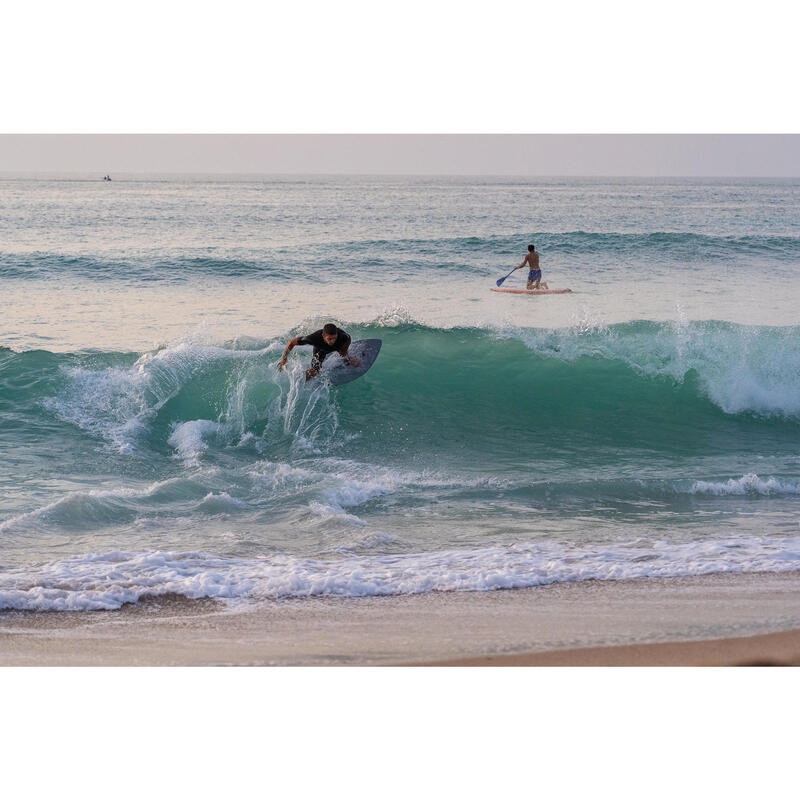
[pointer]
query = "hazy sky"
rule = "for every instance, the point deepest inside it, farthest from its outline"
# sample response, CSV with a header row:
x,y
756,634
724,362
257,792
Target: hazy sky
x,y
516,154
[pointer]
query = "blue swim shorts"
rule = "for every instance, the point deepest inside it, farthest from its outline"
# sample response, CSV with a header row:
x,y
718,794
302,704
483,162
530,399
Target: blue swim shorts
x,y
535,275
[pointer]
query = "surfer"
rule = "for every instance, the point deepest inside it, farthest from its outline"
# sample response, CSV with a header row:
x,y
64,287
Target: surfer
x,y
535,273
329,339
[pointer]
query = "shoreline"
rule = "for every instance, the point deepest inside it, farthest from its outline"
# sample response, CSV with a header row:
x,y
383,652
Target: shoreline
x,y
714,619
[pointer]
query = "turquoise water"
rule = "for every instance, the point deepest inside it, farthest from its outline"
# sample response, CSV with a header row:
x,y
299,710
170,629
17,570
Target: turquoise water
x,y
648,424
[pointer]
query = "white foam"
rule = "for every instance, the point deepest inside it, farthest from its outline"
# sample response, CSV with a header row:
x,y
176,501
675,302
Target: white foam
x,y
355,493
327,512
740,368
221,503
117,403
108,403
190,439
747,484
393,318
275,477
373,478
107,581
358,484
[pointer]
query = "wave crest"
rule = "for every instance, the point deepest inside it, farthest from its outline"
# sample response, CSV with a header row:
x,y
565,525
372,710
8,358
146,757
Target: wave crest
x,y
749,484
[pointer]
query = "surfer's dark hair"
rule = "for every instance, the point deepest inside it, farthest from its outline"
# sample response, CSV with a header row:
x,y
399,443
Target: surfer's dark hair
x,y
531,248
330,329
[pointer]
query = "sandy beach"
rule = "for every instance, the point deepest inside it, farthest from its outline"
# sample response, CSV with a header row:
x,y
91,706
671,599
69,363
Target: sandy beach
x,y
709,620
767,650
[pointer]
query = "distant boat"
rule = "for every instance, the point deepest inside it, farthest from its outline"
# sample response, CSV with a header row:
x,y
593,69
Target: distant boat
x,y
106,177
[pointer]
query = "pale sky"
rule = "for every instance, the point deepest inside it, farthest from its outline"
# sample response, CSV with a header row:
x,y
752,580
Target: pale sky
x,y
724,155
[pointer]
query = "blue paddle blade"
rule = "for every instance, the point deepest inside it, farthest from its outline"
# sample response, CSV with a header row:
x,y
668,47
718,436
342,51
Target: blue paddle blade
x,y
500,280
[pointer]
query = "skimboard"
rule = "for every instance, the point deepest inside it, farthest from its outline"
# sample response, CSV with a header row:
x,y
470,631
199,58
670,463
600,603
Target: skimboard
x,y
533,291
338,371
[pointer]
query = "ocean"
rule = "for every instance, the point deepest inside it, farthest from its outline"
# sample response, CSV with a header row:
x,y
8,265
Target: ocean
x,y
646,425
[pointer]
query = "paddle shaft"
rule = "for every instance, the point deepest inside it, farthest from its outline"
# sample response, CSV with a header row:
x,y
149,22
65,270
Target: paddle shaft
x,y
500,282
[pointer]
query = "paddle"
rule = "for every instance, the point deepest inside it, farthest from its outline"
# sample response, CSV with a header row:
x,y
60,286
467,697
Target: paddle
x,y
500,282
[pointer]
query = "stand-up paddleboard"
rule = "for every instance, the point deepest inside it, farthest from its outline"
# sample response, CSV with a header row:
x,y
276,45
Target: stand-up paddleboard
x,y
338,371
533,291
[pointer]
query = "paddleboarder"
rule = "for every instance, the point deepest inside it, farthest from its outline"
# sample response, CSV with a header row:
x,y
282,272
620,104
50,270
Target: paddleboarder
x,y
535,272
328,339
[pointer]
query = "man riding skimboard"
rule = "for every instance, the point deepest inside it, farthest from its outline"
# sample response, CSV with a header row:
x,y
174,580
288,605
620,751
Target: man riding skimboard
x,y
329,339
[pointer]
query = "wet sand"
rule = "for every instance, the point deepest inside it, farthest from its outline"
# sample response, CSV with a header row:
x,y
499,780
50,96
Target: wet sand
x,y
727,619
767,650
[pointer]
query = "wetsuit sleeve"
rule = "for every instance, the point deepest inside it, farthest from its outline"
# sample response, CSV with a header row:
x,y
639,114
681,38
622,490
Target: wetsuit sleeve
x,y
313,339
346,339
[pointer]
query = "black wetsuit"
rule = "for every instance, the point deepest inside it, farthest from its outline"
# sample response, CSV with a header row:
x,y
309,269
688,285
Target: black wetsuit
x,y
322,348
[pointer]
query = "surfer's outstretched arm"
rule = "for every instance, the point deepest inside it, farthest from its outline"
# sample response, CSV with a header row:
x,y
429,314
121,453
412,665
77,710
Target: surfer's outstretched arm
x,y
289,347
